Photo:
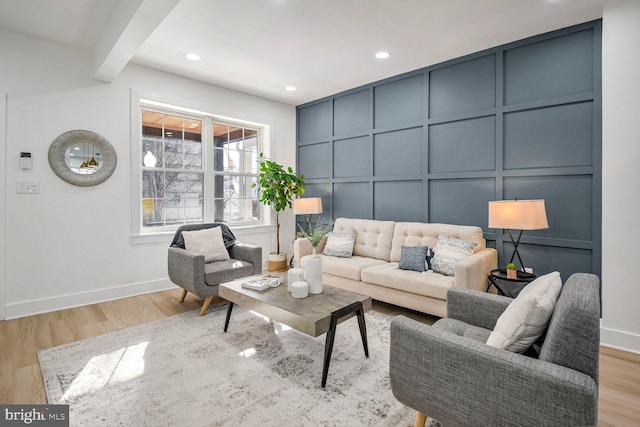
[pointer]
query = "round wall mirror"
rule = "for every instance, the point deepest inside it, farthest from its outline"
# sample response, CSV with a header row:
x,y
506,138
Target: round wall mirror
x,y
82,157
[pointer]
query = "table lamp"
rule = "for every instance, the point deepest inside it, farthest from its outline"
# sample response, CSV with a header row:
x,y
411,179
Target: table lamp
x,y
517,215
307,206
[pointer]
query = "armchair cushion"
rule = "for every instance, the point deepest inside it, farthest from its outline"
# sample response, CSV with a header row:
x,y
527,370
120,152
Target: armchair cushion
x,y
463,329
207,242
527,317
224,271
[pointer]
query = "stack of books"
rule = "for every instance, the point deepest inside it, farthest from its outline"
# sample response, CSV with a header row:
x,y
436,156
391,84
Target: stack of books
x,y
262,283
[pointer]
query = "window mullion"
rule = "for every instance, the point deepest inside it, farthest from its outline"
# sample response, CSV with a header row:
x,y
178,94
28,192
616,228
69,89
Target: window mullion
x,y
207,166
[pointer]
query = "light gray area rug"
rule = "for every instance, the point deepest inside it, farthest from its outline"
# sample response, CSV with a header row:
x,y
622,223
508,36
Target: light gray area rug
x,y
185,371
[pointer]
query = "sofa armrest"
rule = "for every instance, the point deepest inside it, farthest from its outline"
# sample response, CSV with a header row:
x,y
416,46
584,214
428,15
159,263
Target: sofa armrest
x,y
460,381
186,269
473,271
249,253
476,308
302,247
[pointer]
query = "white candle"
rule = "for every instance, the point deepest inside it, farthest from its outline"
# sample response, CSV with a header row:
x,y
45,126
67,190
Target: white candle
x,y
299,289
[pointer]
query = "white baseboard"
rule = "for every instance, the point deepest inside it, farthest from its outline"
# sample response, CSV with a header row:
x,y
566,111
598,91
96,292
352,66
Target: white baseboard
x,y
620,340
62,302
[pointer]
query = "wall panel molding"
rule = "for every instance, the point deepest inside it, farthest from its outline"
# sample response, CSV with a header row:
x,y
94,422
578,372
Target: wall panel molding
x,y
437,144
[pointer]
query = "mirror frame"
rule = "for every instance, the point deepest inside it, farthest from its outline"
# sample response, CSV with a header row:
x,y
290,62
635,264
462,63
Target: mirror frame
x,y
57,161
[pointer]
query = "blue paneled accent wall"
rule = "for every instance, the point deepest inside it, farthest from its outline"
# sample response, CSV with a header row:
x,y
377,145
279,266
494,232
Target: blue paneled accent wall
x,y
437,144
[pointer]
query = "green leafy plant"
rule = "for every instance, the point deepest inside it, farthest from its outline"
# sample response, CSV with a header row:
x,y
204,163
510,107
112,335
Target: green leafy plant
x,y
278,187
511,266
315,233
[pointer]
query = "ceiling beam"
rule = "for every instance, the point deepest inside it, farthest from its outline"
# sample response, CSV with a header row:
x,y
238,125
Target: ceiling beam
x,y
130,25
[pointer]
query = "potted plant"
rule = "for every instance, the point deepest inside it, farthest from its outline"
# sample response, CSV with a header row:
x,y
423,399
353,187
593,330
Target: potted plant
x,y
278,187
314,233
511,271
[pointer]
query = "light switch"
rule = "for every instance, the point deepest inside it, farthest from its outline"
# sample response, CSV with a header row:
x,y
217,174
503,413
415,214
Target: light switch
x,y
27,187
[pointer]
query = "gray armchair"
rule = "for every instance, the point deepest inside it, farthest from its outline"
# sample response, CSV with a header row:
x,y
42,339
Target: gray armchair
x,y
447,371
191,273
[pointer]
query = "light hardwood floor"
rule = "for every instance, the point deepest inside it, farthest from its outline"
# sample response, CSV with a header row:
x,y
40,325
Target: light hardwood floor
x,y
20,339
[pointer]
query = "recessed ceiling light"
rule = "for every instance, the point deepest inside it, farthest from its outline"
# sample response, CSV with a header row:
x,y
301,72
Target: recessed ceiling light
x,y
290,88
193,56
382,55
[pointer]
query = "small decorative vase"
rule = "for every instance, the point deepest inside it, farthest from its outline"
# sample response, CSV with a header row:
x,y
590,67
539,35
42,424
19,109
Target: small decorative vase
x,y
294,275
512,274
314,273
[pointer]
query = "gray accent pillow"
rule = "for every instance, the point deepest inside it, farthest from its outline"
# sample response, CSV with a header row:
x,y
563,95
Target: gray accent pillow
x,y
340,243
448,252
412,258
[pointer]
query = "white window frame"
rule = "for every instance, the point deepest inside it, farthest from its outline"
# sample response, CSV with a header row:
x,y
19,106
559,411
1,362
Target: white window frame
x,y
140,234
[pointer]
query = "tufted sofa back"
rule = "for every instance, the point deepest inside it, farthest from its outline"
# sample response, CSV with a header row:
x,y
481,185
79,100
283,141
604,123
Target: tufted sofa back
x,y
373,238
425,234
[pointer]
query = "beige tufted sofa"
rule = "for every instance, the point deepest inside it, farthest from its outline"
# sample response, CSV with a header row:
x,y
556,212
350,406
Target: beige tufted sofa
x,y
373,268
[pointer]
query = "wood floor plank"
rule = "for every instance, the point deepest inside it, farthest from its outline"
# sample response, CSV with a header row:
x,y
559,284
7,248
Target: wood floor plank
x,y
20,339
28,385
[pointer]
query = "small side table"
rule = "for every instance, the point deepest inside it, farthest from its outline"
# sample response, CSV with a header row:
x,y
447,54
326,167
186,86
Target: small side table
x,y
509,287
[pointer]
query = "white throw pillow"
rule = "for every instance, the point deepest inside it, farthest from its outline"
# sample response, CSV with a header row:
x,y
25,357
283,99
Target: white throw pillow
x,y
340,243
207,242
448,252
526,318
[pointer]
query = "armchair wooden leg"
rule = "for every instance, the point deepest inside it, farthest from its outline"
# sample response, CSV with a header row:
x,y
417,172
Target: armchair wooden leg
x,y
184,295
420,420
207,301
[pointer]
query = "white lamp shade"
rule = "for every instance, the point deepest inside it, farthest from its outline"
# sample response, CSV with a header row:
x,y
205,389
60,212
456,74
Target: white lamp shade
x,y
518,214
307,206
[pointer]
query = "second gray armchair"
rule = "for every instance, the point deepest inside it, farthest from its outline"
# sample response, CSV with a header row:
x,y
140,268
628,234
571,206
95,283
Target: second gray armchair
x,y
447,371
190,272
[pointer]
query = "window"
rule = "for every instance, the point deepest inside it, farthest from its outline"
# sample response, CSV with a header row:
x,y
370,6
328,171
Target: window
x,y
196,168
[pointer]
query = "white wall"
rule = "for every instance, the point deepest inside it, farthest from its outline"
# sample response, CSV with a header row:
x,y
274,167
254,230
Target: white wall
x,y
71,245
620,175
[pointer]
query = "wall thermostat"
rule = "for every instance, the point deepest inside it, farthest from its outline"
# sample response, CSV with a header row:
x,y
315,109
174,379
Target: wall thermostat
x,y
25,160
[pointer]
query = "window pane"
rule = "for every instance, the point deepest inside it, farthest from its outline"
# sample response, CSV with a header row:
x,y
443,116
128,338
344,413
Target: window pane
x,y
235,199
171,141
171,198
152,123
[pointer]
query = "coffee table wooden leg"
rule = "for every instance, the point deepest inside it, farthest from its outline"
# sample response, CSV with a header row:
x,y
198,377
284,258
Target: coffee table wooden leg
x,y
226,321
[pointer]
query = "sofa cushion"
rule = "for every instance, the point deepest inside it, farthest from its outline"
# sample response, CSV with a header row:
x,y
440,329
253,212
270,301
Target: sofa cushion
x,y
413,258
428,284
425,234
223,271
207,242
373,238
448,252
349,268
340,243
526,318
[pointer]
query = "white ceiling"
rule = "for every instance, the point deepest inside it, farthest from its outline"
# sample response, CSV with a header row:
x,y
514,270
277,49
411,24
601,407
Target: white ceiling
x,y
260,46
